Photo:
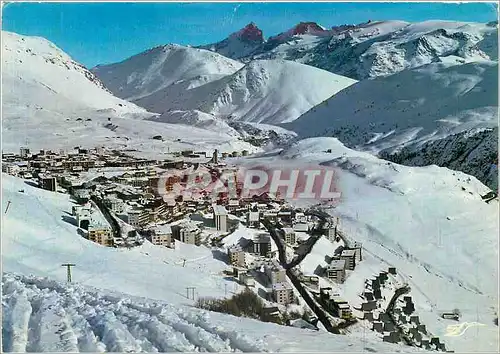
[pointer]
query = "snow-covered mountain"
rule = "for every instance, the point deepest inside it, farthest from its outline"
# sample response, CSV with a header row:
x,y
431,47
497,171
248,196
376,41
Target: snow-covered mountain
x,y
411,108
377,48
473,152
188,79
49,101
268,91
154,70
36,75
239,44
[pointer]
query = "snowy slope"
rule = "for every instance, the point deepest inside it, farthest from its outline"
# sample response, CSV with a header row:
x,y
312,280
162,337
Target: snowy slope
x,y
196,118
267,91
428,222
474,152
160,67
409,109
49,102
380,114
38,236
46,316
377,48
36,75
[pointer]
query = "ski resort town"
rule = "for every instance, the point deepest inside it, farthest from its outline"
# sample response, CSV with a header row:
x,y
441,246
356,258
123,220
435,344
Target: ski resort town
x,y
264,240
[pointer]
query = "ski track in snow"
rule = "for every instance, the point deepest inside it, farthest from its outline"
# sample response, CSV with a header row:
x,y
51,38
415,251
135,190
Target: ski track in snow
x,y
70,319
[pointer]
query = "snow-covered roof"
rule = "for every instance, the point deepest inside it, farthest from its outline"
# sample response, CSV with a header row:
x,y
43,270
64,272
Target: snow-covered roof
x,y
163,229
337,264
253,216
282,286
348,253
301,227
219,209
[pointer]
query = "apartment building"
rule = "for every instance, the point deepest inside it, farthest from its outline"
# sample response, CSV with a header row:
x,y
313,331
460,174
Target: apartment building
x,y
275,272
350,258
336,271
138,217
220,217
288,234
282,293
236,256
161,235
100,234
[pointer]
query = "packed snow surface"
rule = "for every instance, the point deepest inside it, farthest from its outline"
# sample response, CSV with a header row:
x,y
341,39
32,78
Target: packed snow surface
x,y
43,315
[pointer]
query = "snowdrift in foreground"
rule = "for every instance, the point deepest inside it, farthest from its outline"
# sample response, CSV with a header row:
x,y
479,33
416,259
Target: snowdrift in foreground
x,y
43,315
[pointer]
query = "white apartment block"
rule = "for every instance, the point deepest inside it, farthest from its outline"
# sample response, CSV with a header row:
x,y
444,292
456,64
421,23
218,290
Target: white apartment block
x,y
289,235
282,293
236,256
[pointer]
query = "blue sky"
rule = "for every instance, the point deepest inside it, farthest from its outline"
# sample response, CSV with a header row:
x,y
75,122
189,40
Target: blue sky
x,y
99,33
